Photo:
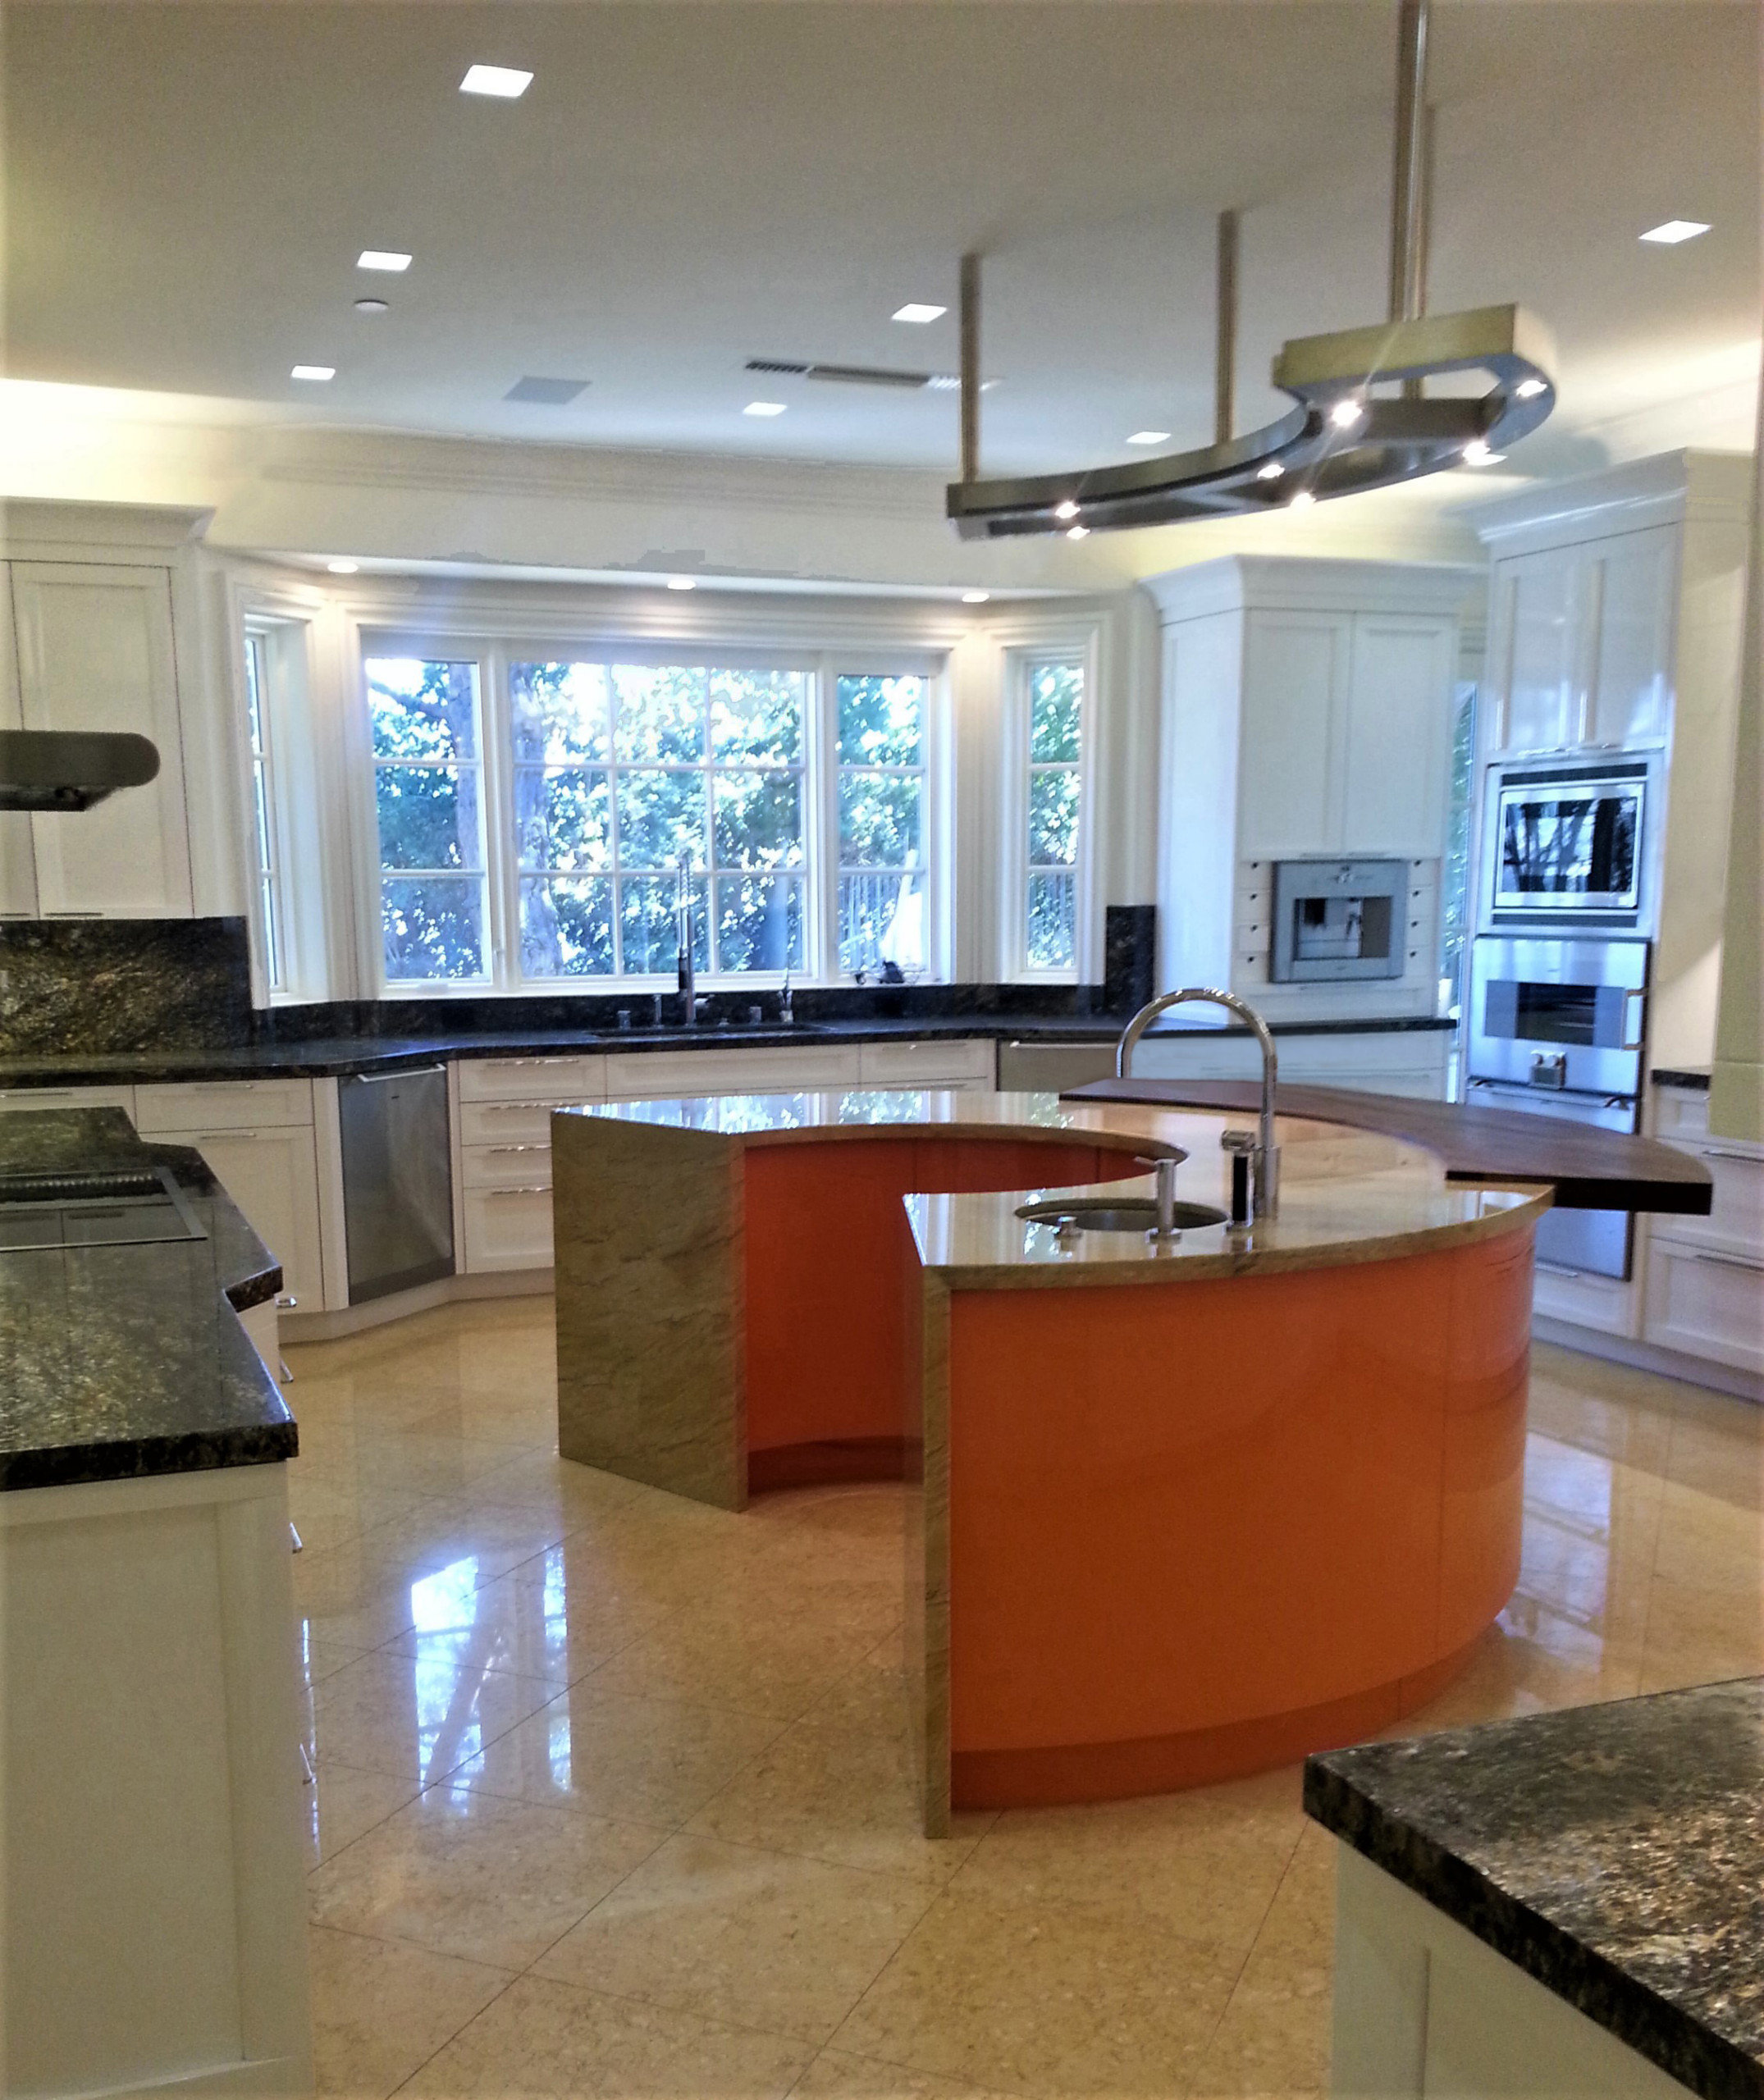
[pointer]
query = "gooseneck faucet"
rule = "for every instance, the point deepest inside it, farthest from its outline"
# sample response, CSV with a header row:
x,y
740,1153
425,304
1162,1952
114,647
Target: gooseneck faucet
x,y
683,926
1265,1161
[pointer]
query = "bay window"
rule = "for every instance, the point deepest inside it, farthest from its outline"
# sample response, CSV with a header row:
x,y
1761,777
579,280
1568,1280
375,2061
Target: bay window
x,y
428,800
1045,811
882,794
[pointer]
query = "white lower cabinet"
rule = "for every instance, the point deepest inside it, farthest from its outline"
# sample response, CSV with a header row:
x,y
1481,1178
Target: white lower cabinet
x,y
36,1099
1409,1061
964,1066
1705,1304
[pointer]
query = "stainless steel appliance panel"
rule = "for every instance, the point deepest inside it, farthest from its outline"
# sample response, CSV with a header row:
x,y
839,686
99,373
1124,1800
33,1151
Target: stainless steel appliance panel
x,y
397,1180
1560,1017
1595,1242
1567,846
1337,919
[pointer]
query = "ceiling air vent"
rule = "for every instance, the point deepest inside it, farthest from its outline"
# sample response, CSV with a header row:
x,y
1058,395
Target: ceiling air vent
x,y
547,393
843,375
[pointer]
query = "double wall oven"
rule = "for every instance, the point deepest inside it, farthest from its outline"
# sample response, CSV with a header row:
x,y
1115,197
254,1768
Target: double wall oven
x,y
1558,971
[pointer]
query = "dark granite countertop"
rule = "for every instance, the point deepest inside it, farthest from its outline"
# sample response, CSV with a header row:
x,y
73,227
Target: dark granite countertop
x,y
1614,1852
1695,1078
340,1056
117,1363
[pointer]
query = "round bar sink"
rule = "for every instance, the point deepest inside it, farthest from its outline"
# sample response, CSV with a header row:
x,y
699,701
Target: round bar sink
x,y
1116,1214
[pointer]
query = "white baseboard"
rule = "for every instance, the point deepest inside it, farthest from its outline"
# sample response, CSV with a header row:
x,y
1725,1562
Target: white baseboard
x,y
399,1305
1643,1356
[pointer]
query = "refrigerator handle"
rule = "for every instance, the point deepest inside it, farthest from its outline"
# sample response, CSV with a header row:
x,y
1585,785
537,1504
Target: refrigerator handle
x,y
1632,1034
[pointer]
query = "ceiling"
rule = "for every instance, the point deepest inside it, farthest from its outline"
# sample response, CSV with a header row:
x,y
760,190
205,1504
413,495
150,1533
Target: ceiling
x,y
688,185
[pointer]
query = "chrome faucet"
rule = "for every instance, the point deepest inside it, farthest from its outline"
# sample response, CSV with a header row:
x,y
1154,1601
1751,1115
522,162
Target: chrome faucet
x,y
1264,1162
684,925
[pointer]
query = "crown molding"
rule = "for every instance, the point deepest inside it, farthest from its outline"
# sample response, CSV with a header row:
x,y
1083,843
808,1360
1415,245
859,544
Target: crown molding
x,y
47,529
1715,487
1311,583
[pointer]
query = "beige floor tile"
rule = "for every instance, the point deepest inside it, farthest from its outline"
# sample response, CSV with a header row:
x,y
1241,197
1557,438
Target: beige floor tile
x,y
342,1802
538,1479
1301,1922
837,2074
1274,2038
473,1875
1718,1447
550,2042
844,1795
379,2012
320,1659
1707,1542
325,1509
734,1933
654,1760
1698,1636
417,1717
1045,2002
778,1664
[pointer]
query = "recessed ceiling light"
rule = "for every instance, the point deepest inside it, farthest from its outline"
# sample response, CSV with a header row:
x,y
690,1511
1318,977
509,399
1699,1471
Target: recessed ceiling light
x,y
372,307
1302,501
383,258
1669,233
913,311
1148,437
1529,389
313,371
1270,473
1345,413
1477,454
508,82
681,583
763,408
975,597
343,568
1066,510
1078,532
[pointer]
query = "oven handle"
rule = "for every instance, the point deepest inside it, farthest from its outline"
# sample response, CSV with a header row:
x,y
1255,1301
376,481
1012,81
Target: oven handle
x,y
1631,1040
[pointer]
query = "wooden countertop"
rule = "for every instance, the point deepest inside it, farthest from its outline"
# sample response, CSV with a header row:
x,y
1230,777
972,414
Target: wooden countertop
x,y
1588,1170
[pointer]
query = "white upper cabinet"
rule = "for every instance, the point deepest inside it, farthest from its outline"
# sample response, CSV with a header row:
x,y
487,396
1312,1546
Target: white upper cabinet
x,y
1533,661
1396,748
1295,696
1633,581
95,652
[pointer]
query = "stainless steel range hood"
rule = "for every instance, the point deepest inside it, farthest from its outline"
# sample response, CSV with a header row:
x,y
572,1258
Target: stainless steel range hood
x,y
68,770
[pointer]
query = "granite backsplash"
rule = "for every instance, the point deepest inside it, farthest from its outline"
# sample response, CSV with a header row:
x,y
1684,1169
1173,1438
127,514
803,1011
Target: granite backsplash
x,y
101,985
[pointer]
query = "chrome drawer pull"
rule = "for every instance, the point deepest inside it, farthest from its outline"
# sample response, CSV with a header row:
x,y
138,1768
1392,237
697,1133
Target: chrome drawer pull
x,y
1727,1260
502,1148
1745,1158
532,1188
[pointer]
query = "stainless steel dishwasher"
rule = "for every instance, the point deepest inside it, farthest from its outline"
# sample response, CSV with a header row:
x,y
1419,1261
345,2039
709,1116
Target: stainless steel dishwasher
x,y
397,1179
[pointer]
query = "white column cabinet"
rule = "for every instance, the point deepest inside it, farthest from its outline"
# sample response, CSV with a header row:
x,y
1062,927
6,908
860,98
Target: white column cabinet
x,y
1397,740
1294,697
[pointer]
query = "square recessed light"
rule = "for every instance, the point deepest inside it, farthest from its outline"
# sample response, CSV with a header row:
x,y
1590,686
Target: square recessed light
x,y
1672,231
382,259
1148,437
547,393
314,372
913,311
508,82
763,408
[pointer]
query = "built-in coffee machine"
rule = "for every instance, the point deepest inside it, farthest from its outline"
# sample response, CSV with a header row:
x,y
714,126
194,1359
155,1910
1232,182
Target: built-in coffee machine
x,y
1337,919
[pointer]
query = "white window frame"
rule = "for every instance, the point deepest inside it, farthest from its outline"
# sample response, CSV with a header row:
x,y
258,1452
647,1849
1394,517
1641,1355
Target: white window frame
x,y
494,644
1021,660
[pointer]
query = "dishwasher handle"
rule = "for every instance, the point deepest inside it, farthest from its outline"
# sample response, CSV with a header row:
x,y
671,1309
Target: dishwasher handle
x,y
410,1072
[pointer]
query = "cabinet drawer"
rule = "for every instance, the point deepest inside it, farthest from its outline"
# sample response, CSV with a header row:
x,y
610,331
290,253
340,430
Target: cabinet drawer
x,y
580,1077
685,1073
1679,1113
1735,1222
1603,1302
507,1229
506,1166
926,1062
510,1122
271,1176
222,1105
1705,1304
40,1097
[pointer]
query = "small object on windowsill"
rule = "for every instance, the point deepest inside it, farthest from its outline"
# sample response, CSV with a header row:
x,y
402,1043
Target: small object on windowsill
x,y
858,977
624,1020
891,974
655,1010
787,1004
756,1014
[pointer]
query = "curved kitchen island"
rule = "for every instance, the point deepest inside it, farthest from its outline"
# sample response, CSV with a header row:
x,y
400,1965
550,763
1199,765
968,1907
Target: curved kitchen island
x,y
1188,1508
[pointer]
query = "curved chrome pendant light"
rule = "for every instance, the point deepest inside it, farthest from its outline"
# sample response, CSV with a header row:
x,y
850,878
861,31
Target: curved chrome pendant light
x,y
1339,439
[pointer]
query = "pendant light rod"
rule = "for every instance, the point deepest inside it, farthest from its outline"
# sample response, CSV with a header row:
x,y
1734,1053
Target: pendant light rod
x,y
970,319
1408,177
1225,351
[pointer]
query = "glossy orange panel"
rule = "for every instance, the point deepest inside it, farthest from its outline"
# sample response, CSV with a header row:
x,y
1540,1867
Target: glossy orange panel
x,y
1179,1511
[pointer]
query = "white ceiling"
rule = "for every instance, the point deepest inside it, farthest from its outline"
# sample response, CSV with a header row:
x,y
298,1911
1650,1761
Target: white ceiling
x,y
686,185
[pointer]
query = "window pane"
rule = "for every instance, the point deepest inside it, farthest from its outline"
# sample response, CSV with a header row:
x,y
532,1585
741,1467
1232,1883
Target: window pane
x,y
881,721
559,712
757,716
1053,818
881,920
646,927
661,714
662,816
254,692
1053,902
271,945
260,801
1055,690
564,819
759,922
566,928
422,709
759,820
433,926
879,820
428,816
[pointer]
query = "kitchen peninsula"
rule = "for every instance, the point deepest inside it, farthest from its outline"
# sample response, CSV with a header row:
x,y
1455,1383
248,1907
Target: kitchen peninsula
x,y
1189,1506
154,1911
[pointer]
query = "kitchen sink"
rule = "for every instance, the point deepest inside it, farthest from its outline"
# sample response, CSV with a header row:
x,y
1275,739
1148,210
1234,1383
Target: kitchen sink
x,y
1115,1214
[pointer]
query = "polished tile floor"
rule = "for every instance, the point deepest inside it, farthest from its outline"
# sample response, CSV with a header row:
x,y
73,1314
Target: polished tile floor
x,y
613,1791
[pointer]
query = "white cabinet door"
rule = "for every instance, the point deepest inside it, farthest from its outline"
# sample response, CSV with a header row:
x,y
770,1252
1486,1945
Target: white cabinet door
x,y
18,865
1296,667
1398,739
1536,658
1705,1304
1632,592
272,1176
95,652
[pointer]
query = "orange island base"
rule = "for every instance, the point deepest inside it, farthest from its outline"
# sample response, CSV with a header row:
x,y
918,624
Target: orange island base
x,y
1182,1508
